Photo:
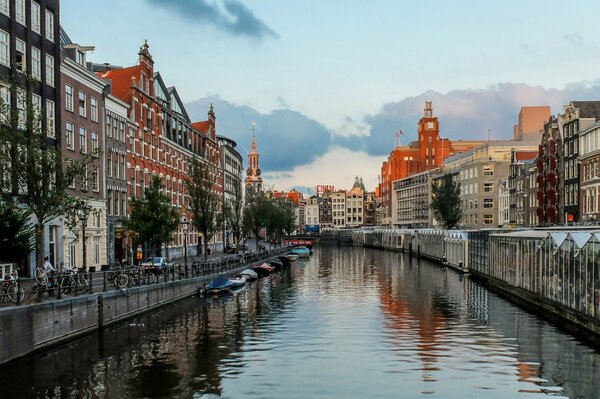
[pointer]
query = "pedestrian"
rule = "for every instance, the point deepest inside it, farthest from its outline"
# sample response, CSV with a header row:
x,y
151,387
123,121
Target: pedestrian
x,y
49,270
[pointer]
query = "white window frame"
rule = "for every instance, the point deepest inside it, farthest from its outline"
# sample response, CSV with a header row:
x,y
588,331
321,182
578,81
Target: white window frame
x,y
20,12
49,70
69,97
35,17
82,110
5,7
49,17
36,64
50,118
5,97
22,108
4,48
82,140
36,105
70,138
94,109
95,143
96,179
21,48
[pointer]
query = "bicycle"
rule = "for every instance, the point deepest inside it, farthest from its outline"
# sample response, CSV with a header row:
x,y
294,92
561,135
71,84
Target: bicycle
x,y
11,288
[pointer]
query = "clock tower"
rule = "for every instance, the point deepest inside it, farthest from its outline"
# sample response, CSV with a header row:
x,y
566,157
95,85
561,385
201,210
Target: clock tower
x,y
254,181
430,152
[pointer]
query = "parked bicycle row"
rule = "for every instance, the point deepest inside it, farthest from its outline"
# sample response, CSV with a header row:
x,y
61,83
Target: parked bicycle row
x,y
51,284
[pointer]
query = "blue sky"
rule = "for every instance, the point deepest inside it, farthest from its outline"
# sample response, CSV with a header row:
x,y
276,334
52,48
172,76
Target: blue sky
x,y
351,73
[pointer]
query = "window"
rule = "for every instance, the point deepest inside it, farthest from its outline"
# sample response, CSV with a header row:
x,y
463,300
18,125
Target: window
x,y
488,171
36,105
5,7
49,26
22,108
82,140
488,187
49,70
35,17
488,219
5,110
69,97
50,118
4,46
94,143
95,179
94,109
21,59
80,58
82,103
69,136
84,179
70,165
97,250
36,64
20,12
488,202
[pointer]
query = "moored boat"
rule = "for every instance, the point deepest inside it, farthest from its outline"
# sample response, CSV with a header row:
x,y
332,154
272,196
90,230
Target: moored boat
x,y
276,263
237,282
301,251
249,274
263,269
219,285
292,257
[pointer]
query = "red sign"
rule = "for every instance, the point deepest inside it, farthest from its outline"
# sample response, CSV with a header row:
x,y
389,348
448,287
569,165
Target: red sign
x,y
321,189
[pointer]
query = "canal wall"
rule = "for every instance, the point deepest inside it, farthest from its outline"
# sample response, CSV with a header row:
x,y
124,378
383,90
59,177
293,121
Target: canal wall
x,y
554,272
30,328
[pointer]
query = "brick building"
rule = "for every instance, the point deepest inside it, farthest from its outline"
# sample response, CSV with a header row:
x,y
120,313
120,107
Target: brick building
x,y
162,139
428,152
82,113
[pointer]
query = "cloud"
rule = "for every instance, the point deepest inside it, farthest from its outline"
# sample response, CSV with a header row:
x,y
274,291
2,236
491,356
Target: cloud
x,y
464,114
285,138
574,39
234,18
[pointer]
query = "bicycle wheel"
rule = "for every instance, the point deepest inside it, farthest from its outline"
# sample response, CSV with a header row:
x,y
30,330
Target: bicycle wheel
x,y
40,277
16,293
83,285
38,291
122,283
66,285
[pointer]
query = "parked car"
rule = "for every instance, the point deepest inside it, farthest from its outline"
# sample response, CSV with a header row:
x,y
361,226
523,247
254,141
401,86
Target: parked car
x,y
159,262
242,246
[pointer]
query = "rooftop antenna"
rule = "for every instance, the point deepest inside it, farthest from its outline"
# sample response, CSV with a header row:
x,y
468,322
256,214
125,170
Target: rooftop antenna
x,y
489,130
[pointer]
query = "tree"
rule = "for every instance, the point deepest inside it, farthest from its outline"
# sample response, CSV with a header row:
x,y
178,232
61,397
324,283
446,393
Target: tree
x,y
17,234
153,218
282,220
32,170
446,202
204,201
256,216
234,214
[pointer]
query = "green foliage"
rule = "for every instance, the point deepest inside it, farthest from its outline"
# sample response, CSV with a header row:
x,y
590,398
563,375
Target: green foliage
x,y
276,216
32,170
205,203
446,202
234,215
17,234
153,219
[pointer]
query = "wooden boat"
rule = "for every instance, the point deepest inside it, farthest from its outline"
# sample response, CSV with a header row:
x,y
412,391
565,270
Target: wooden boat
x,y
285,260
276,263
301,251
291,257
249,274
263,270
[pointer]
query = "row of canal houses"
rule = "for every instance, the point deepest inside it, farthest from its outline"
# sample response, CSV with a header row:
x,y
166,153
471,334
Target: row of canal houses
x,y
546,176
129,116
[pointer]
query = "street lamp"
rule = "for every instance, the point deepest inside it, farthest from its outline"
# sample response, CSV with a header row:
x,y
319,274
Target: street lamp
x,y
83,217
185,225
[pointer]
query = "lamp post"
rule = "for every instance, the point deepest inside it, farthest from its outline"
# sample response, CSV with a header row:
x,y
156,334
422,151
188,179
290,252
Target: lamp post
x,y
185,225
83,217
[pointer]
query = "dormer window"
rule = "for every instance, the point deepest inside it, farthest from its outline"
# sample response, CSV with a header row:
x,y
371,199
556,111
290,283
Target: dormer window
x,y
80,58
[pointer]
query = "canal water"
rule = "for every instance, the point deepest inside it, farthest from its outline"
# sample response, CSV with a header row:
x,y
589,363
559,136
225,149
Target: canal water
x,y
347,323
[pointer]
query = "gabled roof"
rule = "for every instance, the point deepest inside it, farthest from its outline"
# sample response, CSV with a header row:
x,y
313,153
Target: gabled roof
x,y
525,155
173,92
121,80
158,79
587,109
202,127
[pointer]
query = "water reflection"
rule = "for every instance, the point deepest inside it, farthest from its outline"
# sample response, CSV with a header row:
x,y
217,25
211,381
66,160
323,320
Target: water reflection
x,y
349,322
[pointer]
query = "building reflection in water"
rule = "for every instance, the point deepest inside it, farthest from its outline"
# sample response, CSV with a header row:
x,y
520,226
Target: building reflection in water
x,y
428,327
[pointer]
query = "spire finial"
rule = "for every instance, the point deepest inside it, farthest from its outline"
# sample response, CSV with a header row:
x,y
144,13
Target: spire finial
x,y
253,144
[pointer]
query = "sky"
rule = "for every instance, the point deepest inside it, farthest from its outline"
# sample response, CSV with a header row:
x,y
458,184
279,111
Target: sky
x,y
330,82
